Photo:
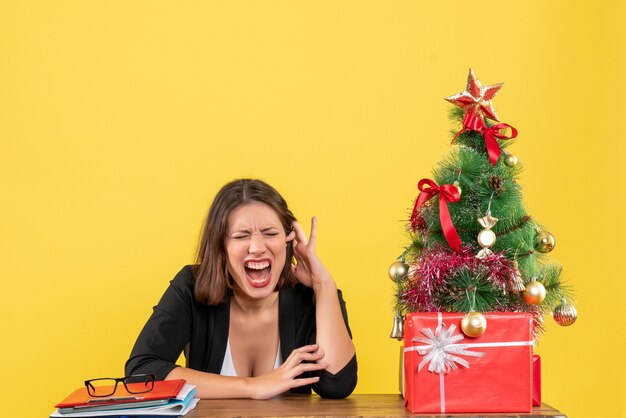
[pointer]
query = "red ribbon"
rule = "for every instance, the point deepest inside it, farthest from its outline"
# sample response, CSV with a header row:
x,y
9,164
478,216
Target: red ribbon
x,y
474,121
447,193
490,134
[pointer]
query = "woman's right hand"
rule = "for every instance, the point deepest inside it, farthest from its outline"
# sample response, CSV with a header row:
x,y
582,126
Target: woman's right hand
x,y
284,378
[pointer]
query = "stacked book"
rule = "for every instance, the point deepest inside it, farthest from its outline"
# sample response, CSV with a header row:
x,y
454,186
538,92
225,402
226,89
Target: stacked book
x,y
167,398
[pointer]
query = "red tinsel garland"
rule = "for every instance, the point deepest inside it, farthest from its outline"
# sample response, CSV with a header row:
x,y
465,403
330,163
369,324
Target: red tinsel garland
x,y
429,273
433,268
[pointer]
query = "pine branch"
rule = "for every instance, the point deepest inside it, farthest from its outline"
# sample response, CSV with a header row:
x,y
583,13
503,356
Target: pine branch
x,y
460,290
549,275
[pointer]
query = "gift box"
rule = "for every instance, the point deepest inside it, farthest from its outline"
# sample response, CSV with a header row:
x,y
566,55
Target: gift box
x,y
536,380
448,372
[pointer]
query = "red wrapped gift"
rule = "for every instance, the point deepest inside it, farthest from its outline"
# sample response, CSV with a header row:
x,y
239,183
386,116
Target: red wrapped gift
x,y
447,372
536,380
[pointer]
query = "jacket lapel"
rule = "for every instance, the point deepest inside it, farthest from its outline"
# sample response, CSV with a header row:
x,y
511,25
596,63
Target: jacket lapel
x,y
286,322
219,337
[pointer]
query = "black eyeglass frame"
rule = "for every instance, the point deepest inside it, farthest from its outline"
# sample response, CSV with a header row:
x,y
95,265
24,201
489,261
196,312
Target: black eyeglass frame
x,y
149,380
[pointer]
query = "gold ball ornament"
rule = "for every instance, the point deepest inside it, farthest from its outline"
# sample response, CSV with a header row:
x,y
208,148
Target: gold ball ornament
x,y
474,324
398,270
456,184
565,314
544,241
534,293
510,160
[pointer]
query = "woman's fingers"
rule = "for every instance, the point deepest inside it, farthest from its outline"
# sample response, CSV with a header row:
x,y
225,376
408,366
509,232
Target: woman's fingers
x,y
300,357
290,236
284,377
307,267
307,367
300,236
313,236
304,353
310,348
305,381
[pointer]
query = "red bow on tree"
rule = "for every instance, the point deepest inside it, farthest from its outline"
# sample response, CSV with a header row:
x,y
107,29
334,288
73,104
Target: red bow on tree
x,y
476,104
473,123
490,134
447,193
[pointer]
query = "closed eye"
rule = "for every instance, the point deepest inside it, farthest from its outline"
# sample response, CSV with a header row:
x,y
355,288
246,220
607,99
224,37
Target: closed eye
x,y
270,232
240,236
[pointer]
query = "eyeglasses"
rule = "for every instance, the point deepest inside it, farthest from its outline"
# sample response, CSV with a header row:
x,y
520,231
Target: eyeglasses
x,y
106,386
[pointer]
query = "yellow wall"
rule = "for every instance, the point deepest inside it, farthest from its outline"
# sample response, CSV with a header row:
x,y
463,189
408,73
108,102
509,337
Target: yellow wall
x,y
119,121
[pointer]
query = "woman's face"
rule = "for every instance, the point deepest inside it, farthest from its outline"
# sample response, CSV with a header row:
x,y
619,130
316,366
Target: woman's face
x,y
256,248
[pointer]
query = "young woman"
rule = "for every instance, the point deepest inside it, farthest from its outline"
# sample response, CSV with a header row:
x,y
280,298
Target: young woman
x,y
252,321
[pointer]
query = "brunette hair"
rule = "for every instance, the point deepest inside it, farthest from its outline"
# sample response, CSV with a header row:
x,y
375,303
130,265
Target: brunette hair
x,y
212,281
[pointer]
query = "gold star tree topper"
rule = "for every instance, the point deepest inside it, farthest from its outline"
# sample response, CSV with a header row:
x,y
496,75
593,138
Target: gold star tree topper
x,y
476,99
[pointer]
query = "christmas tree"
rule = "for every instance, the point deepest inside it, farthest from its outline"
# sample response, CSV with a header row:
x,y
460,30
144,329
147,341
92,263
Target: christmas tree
x,y
474,248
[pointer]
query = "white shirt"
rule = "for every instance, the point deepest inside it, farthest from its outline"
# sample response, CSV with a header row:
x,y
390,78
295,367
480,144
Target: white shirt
x,y
228,367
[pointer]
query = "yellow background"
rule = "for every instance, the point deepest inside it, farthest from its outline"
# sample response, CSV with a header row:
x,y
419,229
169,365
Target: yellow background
x,y
120,120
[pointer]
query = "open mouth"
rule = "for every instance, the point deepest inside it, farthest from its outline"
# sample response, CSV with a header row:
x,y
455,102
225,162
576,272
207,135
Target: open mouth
x,y
258,273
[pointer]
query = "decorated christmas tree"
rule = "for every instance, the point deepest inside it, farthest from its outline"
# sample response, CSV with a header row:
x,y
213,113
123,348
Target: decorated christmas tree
x,y
473,246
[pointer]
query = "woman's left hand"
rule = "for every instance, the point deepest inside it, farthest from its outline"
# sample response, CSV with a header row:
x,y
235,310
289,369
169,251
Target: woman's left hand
x,y
308,269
